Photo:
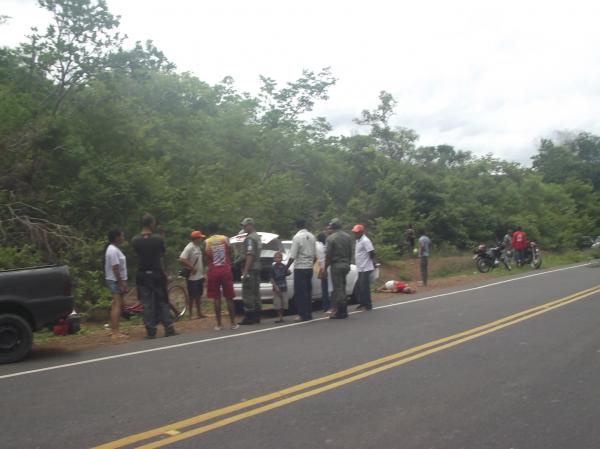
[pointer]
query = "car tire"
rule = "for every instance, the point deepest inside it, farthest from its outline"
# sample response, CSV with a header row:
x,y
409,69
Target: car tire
x,y
16,338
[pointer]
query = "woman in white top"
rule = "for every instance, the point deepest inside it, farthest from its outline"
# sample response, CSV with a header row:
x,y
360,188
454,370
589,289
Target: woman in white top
x,y
115,274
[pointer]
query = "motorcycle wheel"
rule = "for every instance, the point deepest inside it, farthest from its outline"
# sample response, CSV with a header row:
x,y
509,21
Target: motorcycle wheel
x,y
482,265
536,261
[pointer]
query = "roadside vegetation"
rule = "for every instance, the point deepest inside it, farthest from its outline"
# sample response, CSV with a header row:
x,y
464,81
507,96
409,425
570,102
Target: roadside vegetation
x,y
94,133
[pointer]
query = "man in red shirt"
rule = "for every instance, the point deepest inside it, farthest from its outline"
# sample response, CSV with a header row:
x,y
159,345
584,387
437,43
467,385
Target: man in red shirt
x,y
519,244
217,255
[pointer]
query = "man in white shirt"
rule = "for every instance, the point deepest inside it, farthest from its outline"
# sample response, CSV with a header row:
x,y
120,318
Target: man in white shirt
x,y
304,254
364,255
191,258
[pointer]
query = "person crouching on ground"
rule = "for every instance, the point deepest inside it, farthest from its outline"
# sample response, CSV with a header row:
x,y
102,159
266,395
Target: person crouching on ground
x,y
279,272
396,287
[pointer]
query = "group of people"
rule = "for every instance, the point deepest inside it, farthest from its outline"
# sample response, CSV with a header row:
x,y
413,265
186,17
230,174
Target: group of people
x,y
328,255
151,277
516,241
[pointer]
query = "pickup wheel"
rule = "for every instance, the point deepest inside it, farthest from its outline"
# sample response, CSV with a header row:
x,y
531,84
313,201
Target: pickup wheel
x,y
15,338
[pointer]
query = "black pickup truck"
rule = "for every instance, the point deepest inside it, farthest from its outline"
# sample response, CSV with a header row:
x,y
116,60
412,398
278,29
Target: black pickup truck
x,y
30,299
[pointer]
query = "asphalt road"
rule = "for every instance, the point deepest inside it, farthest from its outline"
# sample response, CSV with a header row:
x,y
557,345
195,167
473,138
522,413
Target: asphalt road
x,y
510,364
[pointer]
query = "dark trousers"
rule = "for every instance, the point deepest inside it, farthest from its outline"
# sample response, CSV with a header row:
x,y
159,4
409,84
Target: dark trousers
x,y
152,292
325,294
303,292
424,269
364,289
251,292
338,280
520,256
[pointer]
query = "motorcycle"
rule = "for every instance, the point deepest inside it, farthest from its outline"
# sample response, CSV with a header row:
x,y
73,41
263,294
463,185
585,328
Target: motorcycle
x,y
488,259
532,256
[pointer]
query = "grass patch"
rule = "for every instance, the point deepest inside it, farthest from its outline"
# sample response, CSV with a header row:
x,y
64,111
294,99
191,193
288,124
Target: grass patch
x,y
453,266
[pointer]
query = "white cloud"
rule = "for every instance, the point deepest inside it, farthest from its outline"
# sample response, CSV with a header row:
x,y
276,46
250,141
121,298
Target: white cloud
x,y
481,76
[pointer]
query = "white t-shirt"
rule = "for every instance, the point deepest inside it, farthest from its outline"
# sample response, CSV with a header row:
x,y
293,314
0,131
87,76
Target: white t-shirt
x,y
193,253
303,250
114,256
361,254
321,254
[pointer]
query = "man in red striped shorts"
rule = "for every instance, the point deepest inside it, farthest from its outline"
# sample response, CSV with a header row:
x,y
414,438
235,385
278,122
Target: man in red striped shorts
x,y
217,253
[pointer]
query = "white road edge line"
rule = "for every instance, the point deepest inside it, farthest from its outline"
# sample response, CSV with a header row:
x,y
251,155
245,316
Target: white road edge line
x,y
270,329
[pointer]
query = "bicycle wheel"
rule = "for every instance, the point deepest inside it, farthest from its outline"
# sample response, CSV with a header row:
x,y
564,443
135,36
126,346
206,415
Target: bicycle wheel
x,y
178,300
131,297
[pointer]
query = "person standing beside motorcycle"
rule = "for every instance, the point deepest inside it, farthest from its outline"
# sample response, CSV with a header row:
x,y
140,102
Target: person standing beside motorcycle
x,y
507,252
519,244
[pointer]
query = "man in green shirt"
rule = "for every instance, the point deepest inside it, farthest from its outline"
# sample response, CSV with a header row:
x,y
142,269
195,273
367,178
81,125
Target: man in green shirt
x,y
251,274
337,258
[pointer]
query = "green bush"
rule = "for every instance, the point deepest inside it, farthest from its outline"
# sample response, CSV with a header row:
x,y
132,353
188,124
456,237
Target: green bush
x,y
26,256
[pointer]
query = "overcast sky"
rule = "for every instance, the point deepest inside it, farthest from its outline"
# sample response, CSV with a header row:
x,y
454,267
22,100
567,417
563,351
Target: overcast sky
x,y
481,76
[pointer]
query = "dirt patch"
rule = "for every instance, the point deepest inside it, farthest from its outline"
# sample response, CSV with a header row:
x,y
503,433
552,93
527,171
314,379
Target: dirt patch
x,y
95,334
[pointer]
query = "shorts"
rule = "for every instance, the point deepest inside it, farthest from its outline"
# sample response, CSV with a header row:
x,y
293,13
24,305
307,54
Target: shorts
x,y
280,300
113,286
195,288
217,280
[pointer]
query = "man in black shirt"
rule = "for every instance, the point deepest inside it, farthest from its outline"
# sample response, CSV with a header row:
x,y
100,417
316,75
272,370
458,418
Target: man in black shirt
x,y
151,279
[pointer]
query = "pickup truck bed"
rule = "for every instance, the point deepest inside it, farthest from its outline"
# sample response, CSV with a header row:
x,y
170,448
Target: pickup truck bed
x,y
30,299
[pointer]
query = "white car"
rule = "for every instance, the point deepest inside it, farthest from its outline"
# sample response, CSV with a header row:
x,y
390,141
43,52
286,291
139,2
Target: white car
x,y
270,245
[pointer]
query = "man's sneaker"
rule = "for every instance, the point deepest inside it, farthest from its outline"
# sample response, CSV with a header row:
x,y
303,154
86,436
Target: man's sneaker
x,y
170,332
218,328
234,326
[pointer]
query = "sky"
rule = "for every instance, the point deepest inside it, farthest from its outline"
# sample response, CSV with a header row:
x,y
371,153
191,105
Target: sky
x,y
482,76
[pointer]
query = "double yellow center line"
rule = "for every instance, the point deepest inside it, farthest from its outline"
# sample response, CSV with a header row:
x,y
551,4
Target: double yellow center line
x,y
181,430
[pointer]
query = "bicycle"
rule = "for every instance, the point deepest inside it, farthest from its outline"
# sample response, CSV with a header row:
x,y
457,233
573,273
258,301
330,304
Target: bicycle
x,y
176,295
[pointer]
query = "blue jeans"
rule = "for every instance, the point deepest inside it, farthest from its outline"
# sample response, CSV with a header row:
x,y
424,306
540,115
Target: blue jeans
x,y
325,294
303,292
364,289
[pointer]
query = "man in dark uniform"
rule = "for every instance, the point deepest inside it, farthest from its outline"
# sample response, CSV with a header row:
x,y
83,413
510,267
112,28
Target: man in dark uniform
x,y
338,257
151,279
251,274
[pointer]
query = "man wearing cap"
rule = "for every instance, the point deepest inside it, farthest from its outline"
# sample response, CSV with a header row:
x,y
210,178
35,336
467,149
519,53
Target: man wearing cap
x,y
191,258
251,274
338,256
364,255
304,254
